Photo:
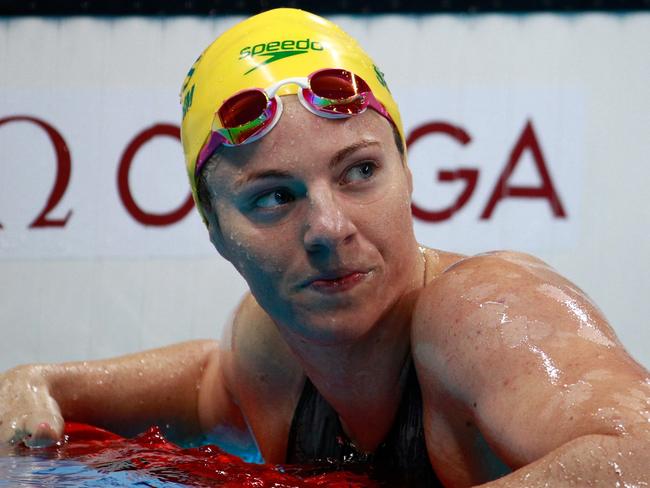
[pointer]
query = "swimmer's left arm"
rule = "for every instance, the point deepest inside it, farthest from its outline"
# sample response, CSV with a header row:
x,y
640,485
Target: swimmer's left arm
x,y
524,355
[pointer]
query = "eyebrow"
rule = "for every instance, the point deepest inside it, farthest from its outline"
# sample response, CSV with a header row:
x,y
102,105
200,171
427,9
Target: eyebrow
x,y
346,151
339,156
258,175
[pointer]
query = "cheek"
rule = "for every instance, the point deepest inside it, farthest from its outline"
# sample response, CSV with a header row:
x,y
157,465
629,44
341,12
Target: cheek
x,y
395,225
387,224
255,254
394,210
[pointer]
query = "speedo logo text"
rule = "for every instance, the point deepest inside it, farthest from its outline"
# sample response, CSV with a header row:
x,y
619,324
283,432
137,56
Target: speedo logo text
x,y
275,50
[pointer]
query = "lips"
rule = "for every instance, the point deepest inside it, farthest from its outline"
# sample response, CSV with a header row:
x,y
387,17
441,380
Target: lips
x,y
336,281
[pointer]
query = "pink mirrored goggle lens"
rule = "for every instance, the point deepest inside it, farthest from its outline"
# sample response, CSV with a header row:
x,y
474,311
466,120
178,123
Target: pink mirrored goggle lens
x,y
337,91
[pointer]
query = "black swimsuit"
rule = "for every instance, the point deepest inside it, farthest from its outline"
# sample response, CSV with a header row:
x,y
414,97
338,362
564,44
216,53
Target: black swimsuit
x,y
317,437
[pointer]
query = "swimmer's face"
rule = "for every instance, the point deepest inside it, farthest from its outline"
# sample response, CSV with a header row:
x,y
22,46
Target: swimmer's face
x,y
316,217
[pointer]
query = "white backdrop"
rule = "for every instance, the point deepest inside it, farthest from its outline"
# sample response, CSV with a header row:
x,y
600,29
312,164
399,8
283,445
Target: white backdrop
x,y
540,121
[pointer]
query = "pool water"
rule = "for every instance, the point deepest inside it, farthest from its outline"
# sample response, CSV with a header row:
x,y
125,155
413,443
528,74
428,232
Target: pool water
x,y
92,457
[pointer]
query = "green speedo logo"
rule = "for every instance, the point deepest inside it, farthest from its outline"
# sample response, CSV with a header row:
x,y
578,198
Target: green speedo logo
x,y
275,50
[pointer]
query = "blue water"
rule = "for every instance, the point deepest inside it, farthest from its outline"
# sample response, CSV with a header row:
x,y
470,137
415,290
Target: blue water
x,y
31,471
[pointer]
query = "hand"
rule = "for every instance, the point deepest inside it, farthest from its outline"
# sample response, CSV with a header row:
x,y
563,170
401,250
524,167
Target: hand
x,y
28,413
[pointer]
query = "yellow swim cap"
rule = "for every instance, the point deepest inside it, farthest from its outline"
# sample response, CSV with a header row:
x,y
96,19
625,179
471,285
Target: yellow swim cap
x,y
260,51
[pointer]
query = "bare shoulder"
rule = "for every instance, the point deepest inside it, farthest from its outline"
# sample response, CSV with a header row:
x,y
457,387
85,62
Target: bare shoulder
x,y
499,283
489,306
504,335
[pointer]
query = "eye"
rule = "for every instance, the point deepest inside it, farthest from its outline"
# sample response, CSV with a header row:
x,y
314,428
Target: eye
x,y
360,172
274,199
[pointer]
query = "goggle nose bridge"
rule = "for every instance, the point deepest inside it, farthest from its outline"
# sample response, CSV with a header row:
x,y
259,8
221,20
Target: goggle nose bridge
x,y
301,81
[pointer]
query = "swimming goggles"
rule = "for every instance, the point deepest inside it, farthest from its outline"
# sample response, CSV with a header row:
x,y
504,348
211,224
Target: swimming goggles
x,y
251,113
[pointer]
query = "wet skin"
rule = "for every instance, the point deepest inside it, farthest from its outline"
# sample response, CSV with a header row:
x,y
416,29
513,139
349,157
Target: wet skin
x,y
513,360
495,337
521,360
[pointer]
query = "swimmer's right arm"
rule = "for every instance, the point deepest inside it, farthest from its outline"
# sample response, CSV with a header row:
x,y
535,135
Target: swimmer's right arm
x,y
180,388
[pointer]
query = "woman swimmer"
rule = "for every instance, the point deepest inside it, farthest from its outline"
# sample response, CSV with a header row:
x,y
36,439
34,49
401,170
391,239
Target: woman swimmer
x,y
355,344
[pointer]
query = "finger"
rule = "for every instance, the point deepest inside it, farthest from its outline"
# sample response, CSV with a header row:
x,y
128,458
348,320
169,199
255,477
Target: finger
x,y
43,430
43,436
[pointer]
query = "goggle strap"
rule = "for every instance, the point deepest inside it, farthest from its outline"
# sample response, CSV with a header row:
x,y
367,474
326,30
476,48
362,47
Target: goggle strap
x,y
214,141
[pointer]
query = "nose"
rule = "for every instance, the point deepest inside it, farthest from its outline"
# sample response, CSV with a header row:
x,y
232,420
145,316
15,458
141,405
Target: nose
x,y
328,224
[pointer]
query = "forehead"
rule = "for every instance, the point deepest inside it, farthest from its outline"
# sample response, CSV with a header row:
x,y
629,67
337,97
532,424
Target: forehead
x,y
301,137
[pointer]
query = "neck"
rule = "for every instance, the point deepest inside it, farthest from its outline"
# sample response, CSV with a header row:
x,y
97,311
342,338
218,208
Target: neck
x,y
380,353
